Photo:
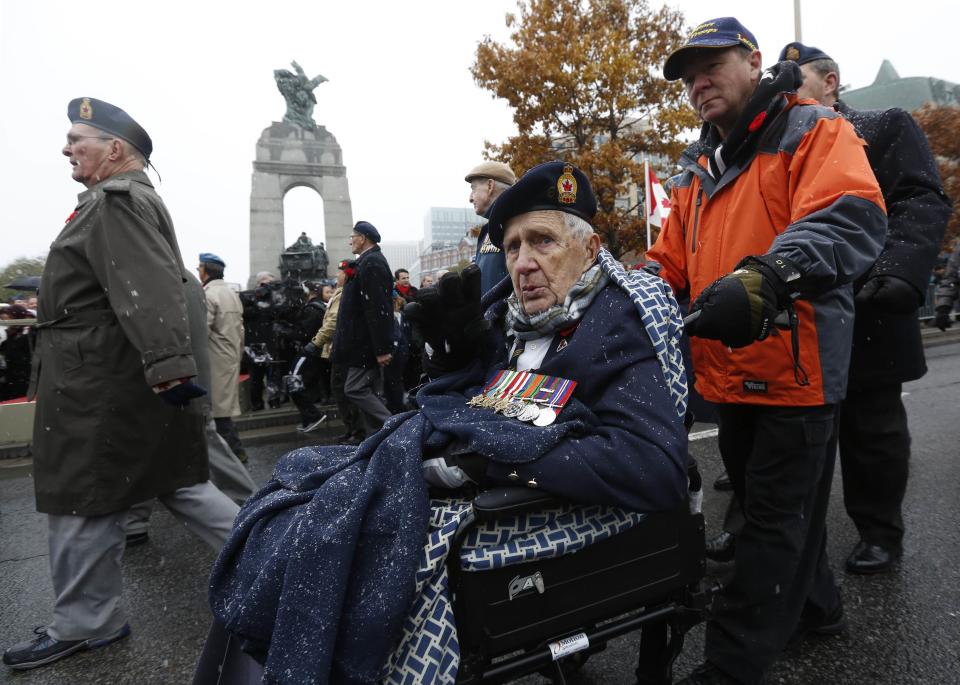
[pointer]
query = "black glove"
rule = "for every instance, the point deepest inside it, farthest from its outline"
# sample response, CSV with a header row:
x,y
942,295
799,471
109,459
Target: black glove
x,y
311,350
181,394
942,319
449,319
890,294
741,306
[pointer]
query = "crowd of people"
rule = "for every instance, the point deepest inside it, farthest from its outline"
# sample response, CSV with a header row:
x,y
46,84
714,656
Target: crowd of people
x,y
548,365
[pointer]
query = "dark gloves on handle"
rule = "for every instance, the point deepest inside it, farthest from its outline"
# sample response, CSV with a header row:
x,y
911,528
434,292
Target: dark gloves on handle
x,y
741,306
311,350
942,320
889,294
449,319
181,394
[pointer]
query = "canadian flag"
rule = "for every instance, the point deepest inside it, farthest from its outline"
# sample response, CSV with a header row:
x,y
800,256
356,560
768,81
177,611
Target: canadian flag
x,y
658,204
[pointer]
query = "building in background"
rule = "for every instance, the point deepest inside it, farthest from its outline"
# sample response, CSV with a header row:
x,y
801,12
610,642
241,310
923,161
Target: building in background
x,y
889,89
401,254
445,226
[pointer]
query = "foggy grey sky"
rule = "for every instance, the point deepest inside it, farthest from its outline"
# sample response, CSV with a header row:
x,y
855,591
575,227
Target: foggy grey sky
x,y
400,100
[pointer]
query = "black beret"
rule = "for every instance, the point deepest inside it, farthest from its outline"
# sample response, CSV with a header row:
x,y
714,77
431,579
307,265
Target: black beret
x,y
112,119
801,54
557,186
365,228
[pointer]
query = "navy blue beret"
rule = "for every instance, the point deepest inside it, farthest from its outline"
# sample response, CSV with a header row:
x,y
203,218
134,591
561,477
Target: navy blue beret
x,y
722,32
210,258
557,186
112,119
801,54
365,228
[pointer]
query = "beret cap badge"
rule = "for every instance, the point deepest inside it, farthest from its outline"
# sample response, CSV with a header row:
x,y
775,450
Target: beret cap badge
x,y
792,53
86,109
567,186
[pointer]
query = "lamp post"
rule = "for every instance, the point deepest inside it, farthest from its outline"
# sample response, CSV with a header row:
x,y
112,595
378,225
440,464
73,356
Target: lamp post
x,y
798,33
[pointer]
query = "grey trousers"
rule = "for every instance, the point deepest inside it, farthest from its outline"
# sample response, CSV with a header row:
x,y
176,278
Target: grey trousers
x,y
226,472
85,554
361,388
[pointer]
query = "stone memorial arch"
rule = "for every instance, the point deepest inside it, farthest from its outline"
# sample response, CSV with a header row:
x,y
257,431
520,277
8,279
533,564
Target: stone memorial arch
x,y
291,153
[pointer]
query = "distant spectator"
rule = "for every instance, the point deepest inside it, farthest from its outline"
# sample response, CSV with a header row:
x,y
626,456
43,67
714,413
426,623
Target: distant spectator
x,y
349,414
264,277
426,281
14,355
225,344
309,367
403,285
393,373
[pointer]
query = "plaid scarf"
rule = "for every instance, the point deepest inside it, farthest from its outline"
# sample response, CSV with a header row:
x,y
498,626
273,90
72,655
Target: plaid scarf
x,y
557,317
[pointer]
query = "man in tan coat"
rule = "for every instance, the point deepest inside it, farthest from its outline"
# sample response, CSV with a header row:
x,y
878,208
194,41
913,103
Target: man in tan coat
x,y
225,343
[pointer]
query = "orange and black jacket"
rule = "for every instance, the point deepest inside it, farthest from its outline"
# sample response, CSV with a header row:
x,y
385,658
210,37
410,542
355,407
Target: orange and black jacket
x,y
805,192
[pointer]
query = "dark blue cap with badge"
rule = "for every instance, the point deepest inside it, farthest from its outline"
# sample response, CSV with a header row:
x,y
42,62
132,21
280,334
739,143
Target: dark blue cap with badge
x,y
368,230
723,32
112,119
801,54
210,258
557,186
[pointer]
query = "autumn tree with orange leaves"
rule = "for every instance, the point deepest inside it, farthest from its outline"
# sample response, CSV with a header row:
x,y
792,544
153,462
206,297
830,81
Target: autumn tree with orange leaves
x,y
942,127
584,80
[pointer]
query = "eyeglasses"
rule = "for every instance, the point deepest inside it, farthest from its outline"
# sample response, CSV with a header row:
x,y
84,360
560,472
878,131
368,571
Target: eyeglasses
x,y
73,140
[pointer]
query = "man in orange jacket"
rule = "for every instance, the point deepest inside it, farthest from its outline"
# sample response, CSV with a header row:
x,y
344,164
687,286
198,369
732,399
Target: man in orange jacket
x,y
777,210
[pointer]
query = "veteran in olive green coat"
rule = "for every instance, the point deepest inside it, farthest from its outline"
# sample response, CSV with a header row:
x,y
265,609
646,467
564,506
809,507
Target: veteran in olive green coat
x,y
112,328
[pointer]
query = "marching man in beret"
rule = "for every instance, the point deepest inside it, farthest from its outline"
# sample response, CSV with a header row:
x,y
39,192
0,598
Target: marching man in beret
x,y
118,421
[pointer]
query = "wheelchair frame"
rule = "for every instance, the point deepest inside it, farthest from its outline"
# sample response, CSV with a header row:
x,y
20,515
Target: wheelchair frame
x,y
550,615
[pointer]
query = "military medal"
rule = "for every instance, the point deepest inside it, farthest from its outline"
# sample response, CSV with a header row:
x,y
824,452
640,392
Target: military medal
x,y
529,413
514,410
546,417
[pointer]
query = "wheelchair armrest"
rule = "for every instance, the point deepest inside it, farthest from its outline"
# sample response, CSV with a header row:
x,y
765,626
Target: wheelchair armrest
x,y
510,500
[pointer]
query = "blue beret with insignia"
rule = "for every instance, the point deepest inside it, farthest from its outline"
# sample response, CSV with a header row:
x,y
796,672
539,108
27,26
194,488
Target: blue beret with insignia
x,y
557,186
801,54
210,258
112,119
722,32
365,228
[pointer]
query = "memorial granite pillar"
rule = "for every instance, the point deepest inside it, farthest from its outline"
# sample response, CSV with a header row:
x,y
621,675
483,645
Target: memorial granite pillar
x,y
291,153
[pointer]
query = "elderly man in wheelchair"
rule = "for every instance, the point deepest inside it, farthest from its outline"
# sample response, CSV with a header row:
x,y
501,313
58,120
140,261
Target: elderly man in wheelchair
x,y
534,507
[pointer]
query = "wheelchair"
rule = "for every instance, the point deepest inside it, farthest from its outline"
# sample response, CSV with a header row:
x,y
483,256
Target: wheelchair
x,y
550,615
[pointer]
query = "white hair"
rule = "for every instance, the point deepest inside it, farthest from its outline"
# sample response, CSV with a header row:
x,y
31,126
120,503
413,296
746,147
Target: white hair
x,y
498,187
578,227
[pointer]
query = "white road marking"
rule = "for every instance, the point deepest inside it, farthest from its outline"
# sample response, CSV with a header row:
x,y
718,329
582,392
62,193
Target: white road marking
x,y
904,394
700,435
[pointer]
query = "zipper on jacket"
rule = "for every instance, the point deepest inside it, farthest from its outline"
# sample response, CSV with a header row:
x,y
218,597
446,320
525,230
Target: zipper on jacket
x,y
696,221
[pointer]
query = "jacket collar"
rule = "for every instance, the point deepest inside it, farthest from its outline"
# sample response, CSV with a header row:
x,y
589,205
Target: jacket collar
x,y
134,176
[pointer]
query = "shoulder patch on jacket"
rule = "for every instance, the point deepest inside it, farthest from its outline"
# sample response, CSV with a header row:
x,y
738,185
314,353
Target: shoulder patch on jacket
x,y
120,185
800,120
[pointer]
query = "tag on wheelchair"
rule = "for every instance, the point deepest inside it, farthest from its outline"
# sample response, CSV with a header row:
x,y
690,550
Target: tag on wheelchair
x,y
569,645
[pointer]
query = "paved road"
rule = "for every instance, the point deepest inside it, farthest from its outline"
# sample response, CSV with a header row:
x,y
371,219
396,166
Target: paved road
x,y
904,627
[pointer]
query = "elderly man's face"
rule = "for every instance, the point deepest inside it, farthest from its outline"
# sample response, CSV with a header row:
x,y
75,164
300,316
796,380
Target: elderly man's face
x,y
719,82
544,259
481,194
817,86
88,149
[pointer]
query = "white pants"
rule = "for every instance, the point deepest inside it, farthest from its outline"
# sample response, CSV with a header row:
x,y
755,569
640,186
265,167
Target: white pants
x,y
85,554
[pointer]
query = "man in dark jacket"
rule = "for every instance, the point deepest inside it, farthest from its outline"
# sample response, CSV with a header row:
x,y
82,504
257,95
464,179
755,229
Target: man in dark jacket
x,y
307,370
364,337
874,439
948,289
113,380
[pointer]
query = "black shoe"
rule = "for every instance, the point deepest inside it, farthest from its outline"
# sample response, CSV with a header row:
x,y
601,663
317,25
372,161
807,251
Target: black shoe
x,y
707,674
723,482
43,649
137,539
866,559
722,548
313,425
833,623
